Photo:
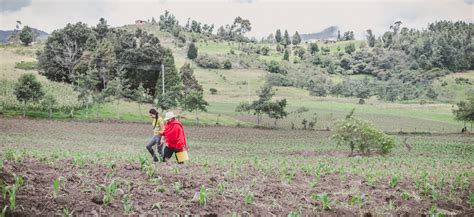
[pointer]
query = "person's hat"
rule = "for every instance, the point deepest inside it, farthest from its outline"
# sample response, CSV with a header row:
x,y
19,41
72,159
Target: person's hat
x,y
169,115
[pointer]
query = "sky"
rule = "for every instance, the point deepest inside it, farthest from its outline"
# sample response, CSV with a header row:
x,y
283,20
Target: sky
x,y
304,16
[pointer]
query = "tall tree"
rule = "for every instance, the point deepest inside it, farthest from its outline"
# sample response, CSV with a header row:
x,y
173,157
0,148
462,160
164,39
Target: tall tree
x,y
296,38
278,36
465,111
370,38
313,48
286,55
286,39
173,84
26,35
190,83
63,51
192,51
101,29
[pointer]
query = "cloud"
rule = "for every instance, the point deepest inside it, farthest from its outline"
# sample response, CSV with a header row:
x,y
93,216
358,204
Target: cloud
x,y
469,2
13,5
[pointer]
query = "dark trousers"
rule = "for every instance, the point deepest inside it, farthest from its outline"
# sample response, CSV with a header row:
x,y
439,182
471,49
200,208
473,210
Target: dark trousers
x,y
155,140
168,152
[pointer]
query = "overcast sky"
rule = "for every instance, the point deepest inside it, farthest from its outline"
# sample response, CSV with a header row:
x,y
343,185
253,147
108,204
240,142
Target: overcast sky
x,y
266,16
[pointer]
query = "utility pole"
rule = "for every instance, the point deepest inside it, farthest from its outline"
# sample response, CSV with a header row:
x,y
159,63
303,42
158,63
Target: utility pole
x,y
163,78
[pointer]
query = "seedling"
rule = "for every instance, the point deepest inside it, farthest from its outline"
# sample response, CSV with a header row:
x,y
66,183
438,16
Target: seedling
x,y
109,192
156,206
294,214
406,196
127,204
177,187
56,184
203,196
394,181
356,200
249,198
324,199
471,198
4,211
67,213
221,188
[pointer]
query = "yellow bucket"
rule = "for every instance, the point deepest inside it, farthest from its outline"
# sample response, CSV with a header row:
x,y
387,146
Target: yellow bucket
x,y
182,156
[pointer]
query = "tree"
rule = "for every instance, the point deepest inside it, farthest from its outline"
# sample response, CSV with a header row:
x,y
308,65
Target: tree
x,y
119,88
140,95
101,28
194,102
48,102
28,90
264,105
87,87
286,55
173,84
63,51
349,35
26,35
350,48
370,38
313,48
286,39
192,51
190,82
431,93
338,35
103,59
296,38
278,36
465,111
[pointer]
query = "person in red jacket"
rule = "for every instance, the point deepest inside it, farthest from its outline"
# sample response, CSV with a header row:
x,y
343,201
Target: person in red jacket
x,y
174,135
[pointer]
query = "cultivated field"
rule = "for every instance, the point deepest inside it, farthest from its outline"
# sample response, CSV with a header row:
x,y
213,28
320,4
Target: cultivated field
x,y
104,169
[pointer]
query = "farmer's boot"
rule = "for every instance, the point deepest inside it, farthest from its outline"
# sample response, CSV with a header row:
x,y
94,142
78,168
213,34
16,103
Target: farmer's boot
x,y
152,152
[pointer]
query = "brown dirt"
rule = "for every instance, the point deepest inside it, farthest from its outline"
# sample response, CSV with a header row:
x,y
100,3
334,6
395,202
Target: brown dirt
x,y
272,196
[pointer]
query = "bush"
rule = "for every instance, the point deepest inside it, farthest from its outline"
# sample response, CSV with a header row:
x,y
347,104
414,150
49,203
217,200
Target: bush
x,y
275,67
207,61
213,91
227,64
265,50
279,80
362,135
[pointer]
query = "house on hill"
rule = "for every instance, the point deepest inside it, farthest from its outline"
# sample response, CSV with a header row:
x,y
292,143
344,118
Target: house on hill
x,y
140,22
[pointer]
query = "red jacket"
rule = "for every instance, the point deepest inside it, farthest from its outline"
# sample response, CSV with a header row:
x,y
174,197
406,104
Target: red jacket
x,y
174,134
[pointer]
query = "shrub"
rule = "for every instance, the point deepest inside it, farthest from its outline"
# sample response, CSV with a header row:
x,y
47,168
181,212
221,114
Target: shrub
x,y
227,64
279,80
275,67
265,50
207,61
362,135
213,91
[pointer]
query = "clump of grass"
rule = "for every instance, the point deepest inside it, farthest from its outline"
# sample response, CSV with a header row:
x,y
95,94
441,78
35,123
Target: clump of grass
x,y
394,181
26,65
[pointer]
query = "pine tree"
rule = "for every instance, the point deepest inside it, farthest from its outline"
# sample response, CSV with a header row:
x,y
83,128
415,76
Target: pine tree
x,y
278,36
296,38
192,51
286,56
26,35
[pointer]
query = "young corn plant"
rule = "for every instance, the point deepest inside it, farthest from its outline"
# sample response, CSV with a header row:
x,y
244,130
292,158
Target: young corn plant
x,y
324,199
56,185
109,192
177,187
356,200
221,188
406,196
294,214
127,204
394,181
156,206
370,180
4,211
249,198
203,196
67,213
12,191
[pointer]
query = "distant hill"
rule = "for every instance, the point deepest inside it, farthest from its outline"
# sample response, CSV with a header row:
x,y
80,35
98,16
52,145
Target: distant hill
x,y
328,33
13,36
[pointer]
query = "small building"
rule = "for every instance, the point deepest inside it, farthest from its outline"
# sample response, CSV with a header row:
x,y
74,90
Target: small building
x,y
140,22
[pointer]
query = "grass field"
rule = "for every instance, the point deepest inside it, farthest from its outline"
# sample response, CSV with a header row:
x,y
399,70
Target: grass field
x,y
245,172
